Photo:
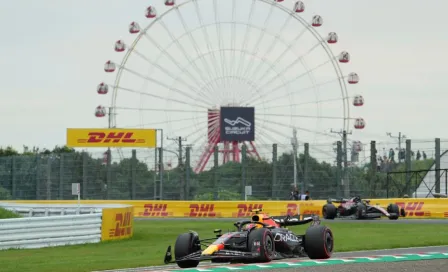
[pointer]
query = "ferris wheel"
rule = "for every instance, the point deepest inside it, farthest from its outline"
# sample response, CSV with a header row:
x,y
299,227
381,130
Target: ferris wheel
x,y
227,74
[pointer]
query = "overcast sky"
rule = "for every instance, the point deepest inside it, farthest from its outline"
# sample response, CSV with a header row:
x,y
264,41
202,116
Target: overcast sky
x,y
52,55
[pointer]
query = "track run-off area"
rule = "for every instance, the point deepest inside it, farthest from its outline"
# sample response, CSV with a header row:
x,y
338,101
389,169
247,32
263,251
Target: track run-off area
x,y
434,258
366,258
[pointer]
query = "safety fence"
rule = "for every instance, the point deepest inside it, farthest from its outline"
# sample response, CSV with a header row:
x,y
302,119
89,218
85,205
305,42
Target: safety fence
x,y
415,208
46,225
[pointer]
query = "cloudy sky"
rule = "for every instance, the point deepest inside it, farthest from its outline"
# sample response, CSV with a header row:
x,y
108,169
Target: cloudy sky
x,y
52,55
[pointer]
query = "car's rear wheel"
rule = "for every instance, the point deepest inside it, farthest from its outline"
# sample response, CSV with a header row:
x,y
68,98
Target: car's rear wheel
x,y
186,244
329,211
361,209
393,208
319,242
262,241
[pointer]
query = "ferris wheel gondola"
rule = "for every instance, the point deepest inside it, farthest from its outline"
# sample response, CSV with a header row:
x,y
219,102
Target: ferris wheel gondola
x,y
197,58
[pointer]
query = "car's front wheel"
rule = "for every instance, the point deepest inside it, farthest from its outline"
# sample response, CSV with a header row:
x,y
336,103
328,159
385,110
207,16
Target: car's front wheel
x,y
319,242
262,241
186,244
393,208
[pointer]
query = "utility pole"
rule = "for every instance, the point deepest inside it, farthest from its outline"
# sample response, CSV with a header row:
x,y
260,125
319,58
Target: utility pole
x,y
345,178
400,139
180,141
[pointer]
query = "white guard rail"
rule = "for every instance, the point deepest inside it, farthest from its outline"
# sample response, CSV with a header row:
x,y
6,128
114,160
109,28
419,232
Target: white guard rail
x,y
39,210
41,232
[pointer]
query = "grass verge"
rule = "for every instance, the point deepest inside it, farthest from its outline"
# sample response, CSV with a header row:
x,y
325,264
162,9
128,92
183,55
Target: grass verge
x,y
5,214
151,238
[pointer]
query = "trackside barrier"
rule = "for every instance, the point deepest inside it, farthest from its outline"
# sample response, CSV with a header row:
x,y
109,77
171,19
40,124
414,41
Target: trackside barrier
x,y
414,207
46,224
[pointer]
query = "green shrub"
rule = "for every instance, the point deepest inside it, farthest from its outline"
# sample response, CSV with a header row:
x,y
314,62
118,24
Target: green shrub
x,y
5,214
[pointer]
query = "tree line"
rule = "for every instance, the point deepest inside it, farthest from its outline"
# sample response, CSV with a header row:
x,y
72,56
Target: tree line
x,y
47,174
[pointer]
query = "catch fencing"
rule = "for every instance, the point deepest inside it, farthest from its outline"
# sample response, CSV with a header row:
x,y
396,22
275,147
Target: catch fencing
x,y
139,175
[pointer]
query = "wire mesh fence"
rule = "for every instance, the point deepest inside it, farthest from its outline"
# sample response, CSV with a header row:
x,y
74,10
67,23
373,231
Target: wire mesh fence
x,y
136,174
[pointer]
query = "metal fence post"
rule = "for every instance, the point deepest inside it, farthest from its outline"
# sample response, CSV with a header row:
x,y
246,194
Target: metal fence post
x,y
187,172
243,171
215,173
305,167
133,174
61,176
85,158
274,171
13,178
437,166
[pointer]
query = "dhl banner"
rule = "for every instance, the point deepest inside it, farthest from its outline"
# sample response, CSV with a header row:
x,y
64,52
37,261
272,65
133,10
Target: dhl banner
x,y
414,207
93,137
118,223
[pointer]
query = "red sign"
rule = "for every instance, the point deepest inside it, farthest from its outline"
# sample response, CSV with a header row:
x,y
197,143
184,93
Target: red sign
x,y
123,225
413,208
111,137
244,210
202,210
154,210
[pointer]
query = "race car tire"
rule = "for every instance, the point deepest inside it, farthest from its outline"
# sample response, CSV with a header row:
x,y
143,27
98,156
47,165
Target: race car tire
x,y
360,209
329,211
393,208
319,242
186,243
262,238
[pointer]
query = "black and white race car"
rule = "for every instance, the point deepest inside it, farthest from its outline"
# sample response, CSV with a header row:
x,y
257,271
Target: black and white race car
x,y
357,208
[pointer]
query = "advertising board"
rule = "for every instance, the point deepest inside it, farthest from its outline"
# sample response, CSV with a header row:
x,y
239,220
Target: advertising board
x,y
118,223
117,137
237,123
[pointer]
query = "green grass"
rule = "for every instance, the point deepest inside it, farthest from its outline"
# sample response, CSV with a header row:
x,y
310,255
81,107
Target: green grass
x,y
151,239
5,214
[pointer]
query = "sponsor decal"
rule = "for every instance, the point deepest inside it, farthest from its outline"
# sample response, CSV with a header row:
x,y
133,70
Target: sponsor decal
x,y
154,210
413,208
244,210
201,210
111,137
123,225
288,237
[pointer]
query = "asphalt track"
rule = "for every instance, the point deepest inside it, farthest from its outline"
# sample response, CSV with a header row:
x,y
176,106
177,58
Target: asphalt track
x,y
382,221
421,265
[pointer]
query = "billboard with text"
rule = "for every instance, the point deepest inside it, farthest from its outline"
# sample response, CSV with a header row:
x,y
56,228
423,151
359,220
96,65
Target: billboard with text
x,y
116,137
237,123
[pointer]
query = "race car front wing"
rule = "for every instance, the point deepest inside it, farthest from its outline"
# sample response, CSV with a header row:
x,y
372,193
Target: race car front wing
x,y
221,254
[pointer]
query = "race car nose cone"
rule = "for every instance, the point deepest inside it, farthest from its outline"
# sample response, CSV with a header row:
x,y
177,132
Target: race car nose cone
x,y
210,250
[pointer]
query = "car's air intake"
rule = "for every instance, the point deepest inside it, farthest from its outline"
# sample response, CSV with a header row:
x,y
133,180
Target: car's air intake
x,y
255,218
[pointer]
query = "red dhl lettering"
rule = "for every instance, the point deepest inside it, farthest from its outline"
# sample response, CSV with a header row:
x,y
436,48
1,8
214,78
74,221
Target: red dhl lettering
x,y
203,210
244,210
291,209
122,225
154,210
120,137
310,212
412,208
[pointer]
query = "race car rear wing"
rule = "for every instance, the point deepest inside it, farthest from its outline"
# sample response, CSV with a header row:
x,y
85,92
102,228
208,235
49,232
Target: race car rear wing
x,y
295,220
